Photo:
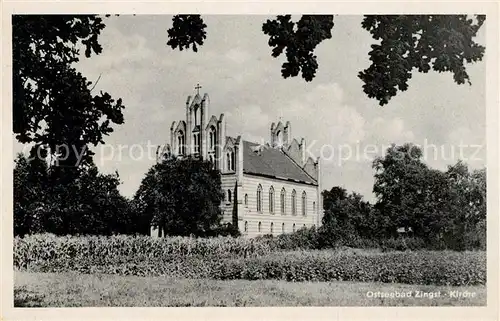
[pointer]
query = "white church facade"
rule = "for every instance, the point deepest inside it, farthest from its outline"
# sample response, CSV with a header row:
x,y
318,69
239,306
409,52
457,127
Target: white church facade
x,y
273,187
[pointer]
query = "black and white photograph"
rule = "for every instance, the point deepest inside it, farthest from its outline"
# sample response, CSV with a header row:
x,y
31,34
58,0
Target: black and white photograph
x,y
249,160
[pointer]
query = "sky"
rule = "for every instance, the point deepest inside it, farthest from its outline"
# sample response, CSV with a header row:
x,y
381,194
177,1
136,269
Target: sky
x,y
244,82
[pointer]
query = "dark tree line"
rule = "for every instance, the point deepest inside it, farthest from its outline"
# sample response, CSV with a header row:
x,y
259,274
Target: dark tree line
x,y
437,209
45,201
180,196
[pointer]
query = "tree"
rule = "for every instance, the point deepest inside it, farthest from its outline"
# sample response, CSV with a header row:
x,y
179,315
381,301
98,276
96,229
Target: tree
x,y
347,217
30,184
407,43
442,208
53,104
398,178
182,197
468,205
410,194
89,204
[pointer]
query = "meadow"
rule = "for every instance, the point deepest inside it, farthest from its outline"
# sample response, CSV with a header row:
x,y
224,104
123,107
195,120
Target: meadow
x,y
225,271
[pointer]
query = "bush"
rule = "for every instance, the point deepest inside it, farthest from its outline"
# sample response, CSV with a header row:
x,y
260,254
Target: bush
x,y
402,244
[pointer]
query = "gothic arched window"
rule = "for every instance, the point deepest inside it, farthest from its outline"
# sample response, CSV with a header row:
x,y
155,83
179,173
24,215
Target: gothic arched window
x,y
272,228
181,148
259,226
283,228
259,199
294,203
279,137
230,160
212,139
271,200
282,200
304,203
293,227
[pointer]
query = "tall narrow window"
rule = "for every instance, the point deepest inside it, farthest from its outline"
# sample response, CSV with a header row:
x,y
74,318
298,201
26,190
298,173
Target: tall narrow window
x,y
293,227
180,143
259,198
230,160
304,203
212,138
272,228
246,199
246,226
279,136
283,228
233,161
259,227
229,195
282,200
294,203
196,138
271,200
314,207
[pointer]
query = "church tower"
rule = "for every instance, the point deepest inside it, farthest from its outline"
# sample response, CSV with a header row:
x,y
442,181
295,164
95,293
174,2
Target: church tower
x,y
196,121
199,134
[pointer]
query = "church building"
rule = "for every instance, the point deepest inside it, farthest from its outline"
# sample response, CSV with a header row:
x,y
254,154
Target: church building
x,y
273,187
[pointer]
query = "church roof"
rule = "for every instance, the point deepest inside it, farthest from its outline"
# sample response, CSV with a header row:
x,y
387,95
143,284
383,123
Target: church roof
x,y
272,162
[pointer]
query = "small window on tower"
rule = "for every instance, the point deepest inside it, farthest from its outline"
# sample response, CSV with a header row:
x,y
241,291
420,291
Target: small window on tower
x,y
212,138
230,160
279,138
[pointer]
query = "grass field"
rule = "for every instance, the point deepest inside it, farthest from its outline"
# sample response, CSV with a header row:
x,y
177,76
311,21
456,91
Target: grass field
x,y
103,290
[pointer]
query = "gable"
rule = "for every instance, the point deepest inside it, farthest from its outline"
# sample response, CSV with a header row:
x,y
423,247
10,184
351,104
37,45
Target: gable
x,y
310,168
211,122
272,162
181,126
229,143
294,151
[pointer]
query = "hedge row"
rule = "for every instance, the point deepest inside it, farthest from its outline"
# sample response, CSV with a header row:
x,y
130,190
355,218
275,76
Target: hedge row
x,y
422,267
228,258
112,250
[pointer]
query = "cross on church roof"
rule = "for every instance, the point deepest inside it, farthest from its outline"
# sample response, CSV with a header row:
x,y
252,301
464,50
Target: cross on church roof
x,y
197,88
